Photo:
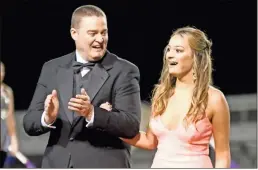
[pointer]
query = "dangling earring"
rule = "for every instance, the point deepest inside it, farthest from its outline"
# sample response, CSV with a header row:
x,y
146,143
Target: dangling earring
x,y
194,76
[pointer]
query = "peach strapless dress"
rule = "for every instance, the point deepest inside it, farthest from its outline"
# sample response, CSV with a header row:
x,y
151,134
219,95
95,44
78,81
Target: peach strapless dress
x,y
181,148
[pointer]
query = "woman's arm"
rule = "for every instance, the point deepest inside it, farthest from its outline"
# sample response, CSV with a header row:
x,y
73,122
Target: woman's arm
x,y
221,129
11,124
143,140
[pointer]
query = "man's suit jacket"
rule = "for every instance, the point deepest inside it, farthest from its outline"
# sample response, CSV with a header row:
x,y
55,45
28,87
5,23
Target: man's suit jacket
x,y
113,80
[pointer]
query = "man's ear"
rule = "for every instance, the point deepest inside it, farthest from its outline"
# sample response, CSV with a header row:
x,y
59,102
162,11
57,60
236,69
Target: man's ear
x,y
74,33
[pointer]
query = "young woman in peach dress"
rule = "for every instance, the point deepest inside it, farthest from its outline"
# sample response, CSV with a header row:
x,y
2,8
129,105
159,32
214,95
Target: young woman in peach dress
x,y
8,123
186,109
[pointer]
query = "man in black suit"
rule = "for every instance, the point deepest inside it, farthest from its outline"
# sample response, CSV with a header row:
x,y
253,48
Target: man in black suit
x,y
69,92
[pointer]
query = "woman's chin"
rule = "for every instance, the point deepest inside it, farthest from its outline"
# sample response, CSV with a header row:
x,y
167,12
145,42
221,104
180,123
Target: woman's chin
x,y
173,73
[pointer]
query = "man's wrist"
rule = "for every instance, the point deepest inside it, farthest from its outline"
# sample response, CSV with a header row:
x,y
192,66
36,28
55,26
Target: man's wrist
x,y
89,115
48,120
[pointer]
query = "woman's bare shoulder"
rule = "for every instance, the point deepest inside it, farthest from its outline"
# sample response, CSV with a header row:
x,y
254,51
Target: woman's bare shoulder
x,y
7,88
217,99
215,94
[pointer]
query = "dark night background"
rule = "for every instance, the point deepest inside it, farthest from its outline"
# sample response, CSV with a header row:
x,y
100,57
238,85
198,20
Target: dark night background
x,y
35,31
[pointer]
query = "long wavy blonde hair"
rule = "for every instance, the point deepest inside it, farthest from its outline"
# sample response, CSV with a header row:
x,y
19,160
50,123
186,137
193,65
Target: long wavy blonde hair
x,y
202,69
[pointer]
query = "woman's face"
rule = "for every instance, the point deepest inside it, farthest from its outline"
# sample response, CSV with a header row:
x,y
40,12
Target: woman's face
x,y
179,56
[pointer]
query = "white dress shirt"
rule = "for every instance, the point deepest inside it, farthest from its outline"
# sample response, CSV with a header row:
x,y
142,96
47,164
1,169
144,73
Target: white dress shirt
x,y
84,71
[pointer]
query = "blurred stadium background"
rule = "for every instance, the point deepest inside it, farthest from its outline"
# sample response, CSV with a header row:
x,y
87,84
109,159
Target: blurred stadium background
x,y
243,137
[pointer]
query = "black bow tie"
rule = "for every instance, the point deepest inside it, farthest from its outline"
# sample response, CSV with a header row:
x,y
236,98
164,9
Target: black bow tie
x,y
78,66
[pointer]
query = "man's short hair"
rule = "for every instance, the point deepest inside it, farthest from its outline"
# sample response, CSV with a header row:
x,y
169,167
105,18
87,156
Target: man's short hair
x,y
85,10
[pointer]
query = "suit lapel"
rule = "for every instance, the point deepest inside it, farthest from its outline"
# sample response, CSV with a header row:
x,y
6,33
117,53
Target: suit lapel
x,y
96,80
99,75
65,83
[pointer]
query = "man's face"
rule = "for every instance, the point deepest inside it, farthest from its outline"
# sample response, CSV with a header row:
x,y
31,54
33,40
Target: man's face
x,y
91,37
